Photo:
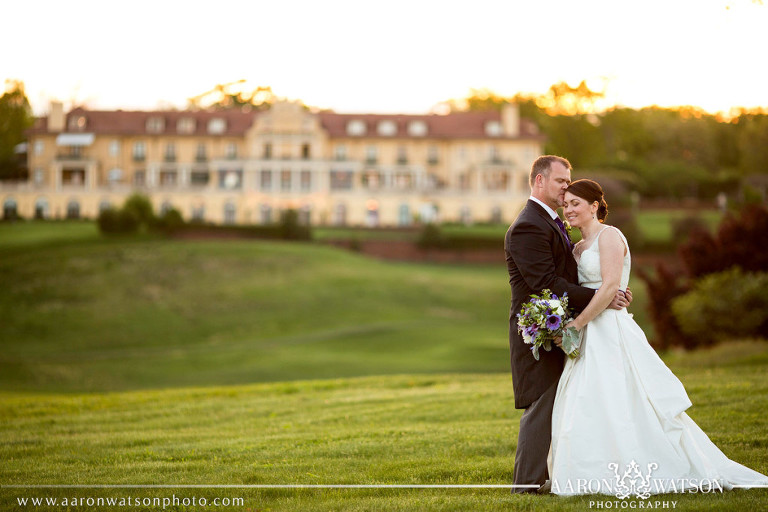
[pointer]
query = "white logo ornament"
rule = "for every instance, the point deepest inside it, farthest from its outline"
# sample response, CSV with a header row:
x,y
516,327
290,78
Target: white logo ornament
x,y
632,482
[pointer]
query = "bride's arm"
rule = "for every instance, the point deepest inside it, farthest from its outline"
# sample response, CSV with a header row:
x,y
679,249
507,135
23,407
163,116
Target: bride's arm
x,y
611,263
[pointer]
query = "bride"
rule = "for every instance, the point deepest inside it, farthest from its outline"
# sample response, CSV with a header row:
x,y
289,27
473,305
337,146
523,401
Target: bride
x,y
619,423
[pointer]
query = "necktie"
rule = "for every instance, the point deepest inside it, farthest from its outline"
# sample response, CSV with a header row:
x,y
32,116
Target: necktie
x,y
563,231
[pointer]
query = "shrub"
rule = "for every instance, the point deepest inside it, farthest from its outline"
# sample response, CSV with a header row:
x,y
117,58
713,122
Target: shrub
x,y
739,241
170,222
724,305
112,221
141,207
291,229
430,237
663,287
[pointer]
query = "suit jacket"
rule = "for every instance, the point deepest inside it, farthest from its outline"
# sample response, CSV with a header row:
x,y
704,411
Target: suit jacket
x,y
538,257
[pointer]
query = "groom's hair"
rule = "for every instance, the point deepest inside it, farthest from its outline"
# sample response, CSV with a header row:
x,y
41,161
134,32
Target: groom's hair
x,y
543,166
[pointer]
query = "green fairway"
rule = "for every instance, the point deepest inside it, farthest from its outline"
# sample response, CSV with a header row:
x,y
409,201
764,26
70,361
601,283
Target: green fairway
x,y
407,429
93,314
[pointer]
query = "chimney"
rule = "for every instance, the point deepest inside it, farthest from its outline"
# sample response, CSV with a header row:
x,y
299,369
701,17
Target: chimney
x,y
510,119
56,117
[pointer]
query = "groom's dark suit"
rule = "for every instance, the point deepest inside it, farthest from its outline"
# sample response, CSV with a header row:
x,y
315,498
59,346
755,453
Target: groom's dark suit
x,y
538,258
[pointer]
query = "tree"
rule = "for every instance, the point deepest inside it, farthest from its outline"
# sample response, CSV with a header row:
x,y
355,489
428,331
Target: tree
x,y
232,95
15,119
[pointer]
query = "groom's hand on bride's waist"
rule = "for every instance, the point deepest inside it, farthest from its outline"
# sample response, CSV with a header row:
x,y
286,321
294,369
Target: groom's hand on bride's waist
x,y
621,300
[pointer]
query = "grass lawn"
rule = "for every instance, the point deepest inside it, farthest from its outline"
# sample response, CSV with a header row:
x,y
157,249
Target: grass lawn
x,y
405,429
145,361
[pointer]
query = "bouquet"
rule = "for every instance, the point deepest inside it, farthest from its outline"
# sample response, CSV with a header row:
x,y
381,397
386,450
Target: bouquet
x,y
542,319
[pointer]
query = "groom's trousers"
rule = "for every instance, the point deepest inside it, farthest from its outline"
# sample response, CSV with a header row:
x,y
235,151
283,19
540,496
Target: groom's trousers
x,y
533,441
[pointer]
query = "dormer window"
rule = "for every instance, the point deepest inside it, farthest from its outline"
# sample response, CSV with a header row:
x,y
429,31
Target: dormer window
x,y
493,128
356,127
387,128
217,125
77,123
417,128
155,124
185,125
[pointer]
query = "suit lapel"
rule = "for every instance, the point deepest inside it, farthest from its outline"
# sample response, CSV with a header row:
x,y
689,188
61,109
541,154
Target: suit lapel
x,y
543,213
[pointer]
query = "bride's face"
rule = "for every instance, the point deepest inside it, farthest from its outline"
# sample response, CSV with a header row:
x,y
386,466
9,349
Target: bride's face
x,y
578,212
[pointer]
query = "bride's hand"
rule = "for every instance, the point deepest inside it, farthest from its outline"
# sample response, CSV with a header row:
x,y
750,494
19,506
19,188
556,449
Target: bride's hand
x,y
573,324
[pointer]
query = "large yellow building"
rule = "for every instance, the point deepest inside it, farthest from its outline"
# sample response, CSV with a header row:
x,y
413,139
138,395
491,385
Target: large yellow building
x,y
238,166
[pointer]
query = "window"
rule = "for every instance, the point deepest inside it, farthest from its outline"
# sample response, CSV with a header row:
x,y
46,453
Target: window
x,y
417,128
340,152
305,215
39,147
115,175
230,180
73,210
372,214
371,179
170,152
340,214
341,180
493,154
404,215
305,151
231,151
230,212
77,123
155,124
200,155
465,215
39,176
267,151
104,205
402,155
496,215
432,155
371,155
305,181
387,128
185,125
199,178
496,180
168,178
286,181
41,208
265,180
73,177
403,180
217,126
493,128
165,207
139,151
198,213
356,127
265,214
114,148
139,178
10,209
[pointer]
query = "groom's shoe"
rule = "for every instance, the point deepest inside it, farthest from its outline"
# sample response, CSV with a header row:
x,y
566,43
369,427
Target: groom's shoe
x,y
546,488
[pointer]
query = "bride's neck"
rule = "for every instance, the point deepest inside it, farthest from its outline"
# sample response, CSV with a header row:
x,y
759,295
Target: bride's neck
x,y
590,230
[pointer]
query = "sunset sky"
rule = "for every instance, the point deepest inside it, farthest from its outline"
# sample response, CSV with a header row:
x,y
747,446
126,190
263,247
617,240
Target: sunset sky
x,y
386,56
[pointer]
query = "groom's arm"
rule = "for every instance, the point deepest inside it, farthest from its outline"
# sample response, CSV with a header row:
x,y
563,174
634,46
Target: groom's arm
x,y
531,251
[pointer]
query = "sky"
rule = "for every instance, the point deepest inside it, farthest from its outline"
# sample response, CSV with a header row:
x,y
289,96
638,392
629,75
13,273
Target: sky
x,y
389,56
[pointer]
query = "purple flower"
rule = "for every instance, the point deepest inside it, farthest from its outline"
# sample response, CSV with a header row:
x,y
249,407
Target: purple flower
x,y
531,330
553,322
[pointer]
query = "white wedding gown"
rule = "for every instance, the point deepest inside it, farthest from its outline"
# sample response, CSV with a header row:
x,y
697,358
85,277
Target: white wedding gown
x,y
619,409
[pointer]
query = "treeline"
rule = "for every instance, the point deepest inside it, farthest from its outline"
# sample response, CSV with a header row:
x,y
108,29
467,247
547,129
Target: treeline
x,y
659,152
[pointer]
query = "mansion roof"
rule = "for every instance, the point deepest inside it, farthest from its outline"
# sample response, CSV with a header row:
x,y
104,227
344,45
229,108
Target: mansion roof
x,y
235,123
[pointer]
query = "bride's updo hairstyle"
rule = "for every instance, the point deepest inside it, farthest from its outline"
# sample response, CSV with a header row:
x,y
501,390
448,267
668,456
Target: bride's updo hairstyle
x,y
590,191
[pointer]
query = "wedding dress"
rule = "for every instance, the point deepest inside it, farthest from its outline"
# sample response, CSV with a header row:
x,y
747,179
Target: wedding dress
x,y
618,423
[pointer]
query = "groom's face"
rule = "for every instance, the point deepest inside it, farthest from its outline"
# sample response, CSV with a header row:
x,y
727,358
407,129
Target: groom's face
x,y
555,185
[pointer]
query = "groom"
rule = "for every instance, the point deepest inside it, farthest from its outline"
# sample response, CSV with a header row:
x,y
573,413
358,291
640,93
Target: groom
x,y
539,256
